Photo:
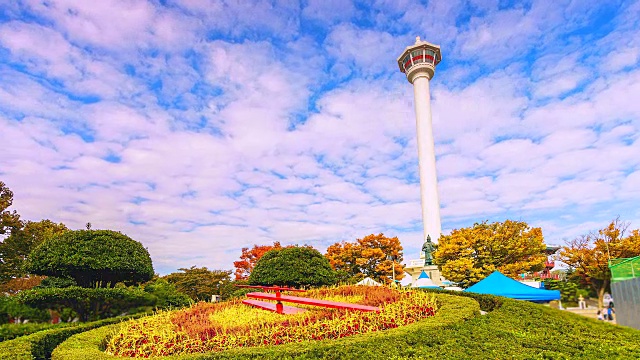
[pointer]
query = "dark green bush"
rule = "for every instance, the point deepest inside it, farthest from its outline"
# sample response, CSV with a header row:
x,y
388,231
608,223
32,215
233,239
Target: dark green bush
x,y
294,266
56,282
89,304
11,308
487,302
40,345
93,258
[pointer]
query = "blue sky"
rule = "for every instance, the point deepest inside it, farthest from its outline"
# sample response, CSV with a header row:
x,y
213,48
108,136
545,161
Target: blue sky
x,y
201,127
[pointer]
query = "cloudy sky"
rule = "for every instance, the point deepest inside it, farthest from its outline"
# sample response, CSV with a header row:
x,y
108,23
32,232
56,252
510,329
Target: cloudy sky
x,y
201,127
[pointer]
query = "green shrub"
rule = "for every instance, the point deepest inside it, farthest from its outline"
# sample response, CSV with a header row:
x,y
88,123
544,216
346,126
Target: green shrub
x,y
93,258
12,331
11,308
56,282
294,266
487,302
87,303
40,345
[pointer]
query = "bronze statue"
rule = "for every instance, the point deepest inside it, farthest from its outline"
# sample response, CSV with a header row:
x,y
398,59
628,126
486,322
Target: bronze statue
x,y
427,249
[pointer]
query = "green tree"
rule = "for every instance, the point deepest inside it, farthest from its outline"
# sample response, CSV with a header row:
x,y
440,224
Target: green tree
x,y
9,220
370,256
93,258
15,248
200,283
294,266
230,290
468,255
570,291
250,257
166,294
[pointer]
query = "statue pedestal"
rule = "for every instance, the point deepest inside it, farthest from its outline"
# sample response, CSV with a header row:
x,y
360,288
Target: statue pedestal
x,y
415,267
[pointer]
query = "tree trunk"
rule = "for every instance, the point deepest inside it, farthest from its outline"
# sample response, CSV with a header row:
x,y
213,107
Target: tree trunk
x,y
600,290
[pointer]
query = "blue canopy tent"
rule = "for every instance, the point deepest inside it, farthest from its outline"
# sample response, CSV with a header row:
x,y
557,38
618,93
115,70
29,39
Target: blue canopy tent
x,y
424,282
500,285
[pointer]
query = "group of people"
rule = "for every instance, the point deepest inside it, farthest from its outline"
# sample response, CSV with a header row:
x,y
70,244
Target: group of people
x,y
607,314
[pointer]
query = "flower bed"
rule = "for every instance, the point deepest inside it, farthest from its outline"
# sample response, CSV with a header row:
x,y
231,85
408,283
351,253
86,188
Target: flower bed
x,y
216,327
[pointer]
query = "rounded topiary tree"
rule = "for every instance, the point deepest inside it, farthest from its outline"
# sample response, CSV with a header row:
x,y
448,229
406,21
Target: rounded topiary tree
x,y
93,258
294,266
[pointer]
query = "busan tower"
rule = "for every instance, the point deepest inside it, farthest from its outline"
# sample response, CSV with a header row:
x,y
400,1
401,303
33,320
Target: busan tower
x,y
418,62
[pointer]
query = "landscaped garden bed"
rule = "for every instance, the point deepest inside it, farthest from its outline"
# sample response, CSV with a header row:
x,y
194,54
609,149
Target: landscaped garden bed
x,y
207,327
450,310
510,330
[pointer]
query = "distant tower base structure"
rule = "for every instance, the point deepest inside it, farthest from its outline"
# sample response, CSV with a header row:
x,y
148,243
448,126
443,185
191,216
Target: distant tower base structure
x,y
414,270
418,62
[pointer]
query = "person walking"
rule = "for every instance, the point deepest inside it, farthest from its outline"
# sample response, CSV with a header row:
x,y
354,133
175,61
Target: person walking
x,y
610,311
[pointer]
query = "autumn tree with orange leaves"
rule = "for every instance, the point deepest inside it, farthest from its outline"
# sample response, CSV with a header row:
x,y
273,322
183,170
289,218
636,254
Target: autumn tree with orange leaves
x,y
368,257
589,254
250,257
468,255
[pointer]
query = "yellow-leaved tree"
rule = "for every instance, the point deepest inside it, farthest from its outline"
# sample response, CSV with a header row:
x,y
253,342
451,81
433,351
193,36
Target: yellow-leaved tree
x,y
589,254
470,254
375,256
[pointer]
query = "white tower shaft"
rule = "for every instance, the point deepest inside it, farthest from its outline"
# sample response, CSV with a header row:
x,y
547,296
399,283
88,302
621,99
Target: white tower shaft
x,y
418,62
427,159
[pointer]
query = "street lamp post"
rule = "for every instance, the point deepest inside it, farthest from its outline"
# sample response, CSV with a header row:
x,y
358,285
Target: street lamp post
x,y
393,268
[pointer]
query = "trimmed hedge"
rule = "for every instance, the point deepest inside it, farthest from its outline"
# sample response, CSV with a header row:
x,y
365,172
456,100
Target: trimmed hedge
x,y
451,310
89,304
12,331
487,302
514,330
40,345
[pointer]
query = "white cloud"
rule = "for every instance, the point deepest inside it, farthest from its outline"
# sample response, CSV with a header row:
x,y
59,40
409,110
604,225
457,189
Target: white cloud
x,y
329,11
116,24
368,51
561,84
199,127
